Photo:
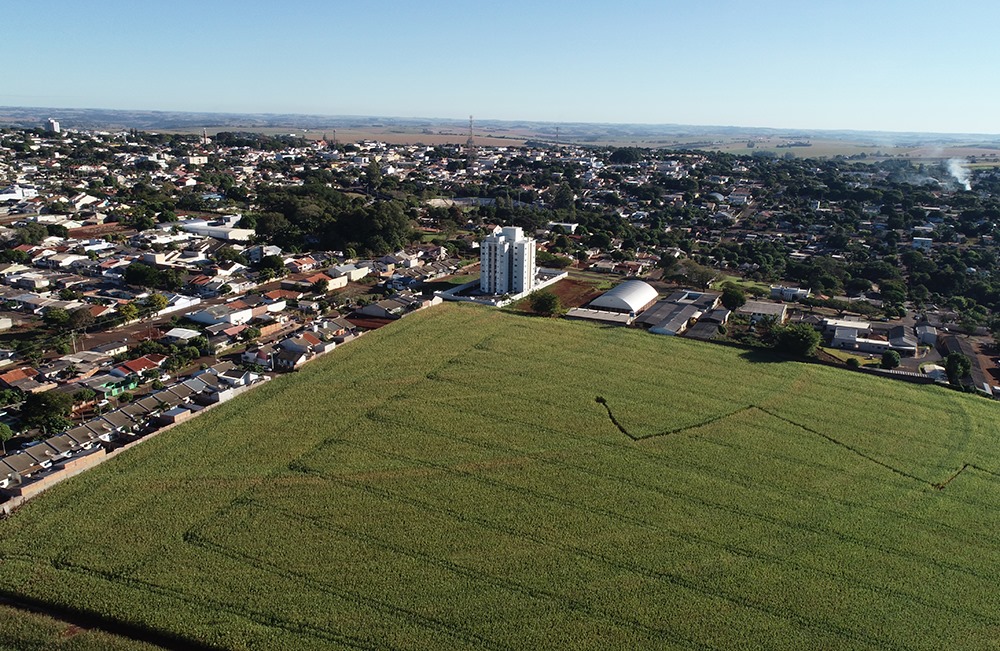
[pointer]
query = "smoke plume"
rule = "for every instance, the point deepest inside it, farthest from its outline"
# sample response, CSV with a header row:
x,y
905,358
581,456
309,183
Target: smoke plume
x,y
957,168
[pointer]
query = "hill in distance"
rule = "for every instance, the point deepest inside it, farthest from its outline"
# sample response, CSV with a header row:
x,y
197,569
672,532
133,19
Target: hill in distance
x,y
499,132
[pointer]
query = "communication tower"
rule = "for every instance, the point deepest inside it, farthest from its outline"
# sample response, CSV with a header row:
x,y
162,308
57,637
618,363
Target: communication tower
x,y
470,148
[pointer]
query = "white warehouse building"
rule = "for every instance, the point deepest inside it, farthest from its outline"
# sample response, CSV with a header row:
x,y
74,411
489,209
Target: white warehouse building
x,y
631,297
507,261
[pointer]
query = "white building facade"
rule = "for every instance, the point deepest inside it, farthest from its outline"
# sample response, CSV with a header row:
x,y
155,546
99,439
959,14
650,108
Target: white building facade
x,y
507,261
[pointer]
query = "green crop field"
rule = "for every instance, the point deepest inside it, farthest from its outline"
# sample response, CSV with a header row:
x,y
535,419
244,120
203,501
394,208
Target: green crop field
x,y
27,631
471,479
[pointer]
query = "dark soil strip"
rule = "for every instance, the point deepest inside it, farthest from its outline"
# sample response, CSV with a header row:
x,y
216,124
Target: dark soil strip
x,y
854,450
92,621
614,421
981,469
677,430
902,473
941,485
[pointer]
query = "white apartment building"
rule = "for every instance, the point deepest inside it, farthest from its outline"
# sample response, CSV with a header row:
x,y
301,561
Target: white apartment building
x,y
507,260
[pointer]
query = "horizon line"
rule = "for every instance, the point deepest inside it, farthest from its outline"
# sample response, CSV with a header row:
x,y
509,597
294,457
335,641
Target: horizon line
x,y
463,121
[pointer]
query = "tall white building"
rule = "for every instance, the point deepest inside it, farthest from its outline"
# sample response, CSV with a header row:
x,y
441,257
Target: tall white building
x,y
53,125
507,260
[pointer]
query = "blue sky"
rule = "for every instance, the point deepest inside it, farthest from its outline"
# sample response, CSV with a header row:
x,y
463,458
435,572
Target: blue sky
x,y
830,64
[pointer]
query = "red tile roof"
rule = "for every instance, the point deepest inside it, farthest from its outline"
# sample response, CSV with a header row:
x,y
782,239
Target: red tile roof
x,y
18,374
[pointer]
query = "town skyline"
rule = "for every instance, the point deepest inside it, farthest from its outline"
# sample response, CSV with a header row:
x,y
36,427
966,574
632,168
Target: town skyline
x,y
896,67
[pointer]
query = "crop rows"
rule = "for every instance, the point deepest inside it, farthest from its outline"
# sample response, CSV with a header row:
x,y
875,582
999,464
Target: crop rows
x,y
635,484
529,494
450,482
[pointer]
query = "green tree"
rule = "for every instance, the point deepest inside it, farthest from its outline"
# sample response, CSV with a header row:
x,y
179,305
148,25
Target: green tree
x,y
31,233
80,319
890,359
273,266
229,254
156,302
857,286
142,275
799,339
6,434
373,174
49,410
84,395
128,312
56,317
563,197
733,297
57,230
957,366
626,155
545,303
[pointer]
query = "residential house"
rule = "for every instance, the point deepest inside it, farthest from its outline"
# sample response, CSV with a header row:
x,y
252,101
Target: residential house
x,y
304,342
927,334
26,379
180,336
222,314
782,293
289,360
139,367
262,355
352,272
758,310
110,386
397,306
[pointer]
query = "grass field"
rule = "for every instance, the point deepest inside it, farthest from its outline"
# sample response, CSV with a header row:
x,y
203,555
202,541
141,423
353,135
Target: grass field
x,y
864,359
754,285
470,479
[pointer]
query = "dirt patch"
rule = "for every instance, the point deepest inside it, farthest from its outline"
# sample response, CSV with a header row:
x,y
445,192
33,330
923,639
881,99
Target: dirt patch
x,y
369,322
572,293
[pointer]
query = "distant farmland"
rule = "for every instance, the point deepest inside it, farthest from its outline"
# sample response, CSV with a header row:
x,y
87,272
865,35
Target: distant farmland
x,y
470,479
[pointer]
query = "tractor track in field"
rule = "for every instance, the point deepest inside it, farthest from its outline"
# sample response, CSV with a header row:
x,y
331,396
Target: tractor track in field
x,y
938,485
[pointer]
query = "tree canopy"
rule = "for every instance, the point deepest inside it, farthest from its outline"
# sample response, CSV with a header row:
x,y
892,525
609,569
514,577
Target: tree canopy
x,y
733,297
318,216
799,339
890,359
545,303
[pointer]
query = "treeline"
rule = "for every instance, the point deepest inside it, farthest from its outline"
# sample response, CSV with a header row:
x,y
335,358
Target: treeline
x,y
317,216
258,140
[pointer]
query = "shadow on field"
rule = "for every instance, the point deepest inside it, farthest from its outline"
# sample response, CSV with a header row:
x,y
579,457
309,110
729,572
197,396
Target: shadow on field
x,y
89,620
761,356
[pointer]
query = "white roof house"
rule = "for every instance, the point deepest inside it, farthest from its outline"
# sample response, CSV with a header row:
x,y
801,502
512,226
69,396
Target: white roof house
x,y
631,296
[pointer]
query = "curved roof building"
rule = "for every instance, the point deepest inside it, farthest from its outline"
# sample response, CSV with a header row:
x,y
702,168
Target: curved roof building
x,y
631,296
